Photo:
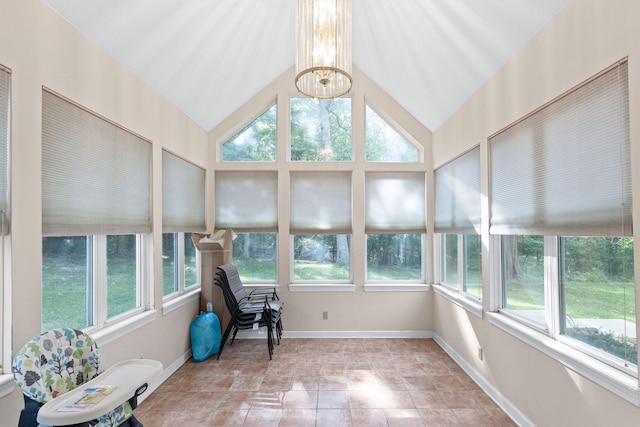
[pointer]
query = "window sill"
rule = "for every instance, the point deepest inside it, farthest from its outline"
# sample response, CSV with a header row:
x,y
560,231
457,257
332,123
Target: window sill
x,y
322,287
111,333
614,380
7,384
178,301
265,285
472,306
396,287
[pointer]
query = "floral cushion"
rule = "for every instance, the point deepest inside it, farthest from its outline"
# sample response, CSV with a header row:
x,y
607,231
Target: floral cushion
x,y
58,361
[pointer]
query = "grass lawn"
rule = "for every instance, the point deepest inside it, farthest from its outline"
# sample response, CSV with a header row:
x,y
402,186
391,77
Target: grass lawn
x,y
585,300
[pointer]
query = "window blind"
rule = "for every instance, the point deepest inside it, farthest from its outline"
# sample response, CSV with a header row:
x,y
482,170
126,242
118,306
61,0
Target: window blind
x,y
320,202
5,137
246,201
565,169
457,198
96,176
395,202
183,194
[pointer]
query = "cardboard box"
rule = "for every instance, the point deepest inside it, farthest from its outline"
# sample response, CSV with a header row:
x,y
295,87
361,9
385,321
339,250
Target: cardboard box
x,y
215,250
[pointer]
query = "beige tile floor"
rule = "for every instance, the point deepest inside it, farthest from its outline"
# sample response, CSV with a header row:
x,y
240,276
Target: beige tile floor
x,y
323,382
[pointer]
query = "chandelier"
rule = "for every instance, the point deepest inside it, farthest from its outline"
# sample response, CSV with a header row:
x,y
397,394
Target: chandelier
x,y
323,60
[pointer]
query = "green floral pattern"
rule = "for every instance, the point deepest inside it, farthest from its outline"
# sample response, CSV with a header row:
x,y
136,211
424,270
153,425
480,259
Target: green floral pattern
x,y
58,361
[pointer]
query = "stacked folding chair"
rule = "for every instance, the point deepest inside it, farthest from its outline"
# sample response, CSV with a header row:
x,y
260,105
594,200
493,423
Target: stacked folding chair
x,y
260,308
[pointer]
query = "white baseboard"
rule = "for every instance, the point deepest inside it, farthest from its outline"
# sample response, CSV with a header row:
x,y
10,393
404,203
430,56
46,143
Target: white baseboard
x,y
166,373
515,414
338,334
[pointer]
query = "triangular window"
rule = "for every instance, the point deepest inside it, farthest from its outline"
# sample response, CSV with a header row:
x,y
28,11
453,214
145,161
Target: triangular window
x,y
255,143
384,143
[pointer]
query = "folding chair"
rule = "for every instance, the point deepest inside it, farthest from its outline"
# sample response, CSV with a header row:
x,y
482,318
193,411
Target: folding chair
x,y
260,308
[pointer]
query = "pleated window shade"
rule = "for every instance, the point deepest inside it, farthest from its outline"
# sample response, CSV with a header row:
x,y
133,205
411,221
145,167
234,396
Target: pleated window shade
x,y
457,198
395,202
565,169
96,176
5,134
320,203
247,201
183,195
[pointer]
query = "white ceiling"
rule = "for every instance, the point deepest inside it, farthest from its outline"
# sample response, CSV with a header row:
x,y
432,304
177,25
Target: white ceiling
x,y
208,57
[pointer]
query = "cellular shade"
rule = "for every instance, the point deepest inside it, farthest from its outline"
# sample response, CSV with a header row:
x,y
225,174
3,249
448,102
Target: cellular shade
x,y
565,169
457,187
96,176
183,205
247,201
320,203
395,202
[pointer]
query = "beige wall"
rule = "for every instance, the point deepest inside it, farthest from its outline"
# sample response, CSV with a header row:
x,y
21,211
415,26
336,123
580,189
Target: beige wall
x,y
585,38
42,49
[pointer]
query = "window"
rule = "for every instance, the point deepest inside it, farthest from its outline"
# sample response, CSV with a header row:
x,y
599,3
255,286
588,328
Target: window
x,y
320,129
450,260
255,256
254,143
5,139
395,224
384,143
394,257
561,214
183,212
247,203
457,219
96,213
598,294
321,226
523,277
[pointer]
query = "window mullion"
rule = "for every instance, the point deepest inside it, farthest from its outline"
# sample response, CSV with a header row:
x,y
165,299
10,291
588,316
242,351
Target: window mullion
x,y
99,275
180,262
496,291
552,284
461,261
142,272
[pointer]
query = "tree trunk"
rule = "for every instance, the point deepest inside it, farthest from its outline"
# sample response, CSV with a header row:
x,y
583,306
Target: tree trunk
x,y
342,255
325,129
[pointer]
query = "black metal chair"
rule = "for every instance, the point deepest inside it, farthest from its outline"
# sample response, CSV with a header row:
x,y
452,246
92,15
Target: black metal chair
x,y
259,308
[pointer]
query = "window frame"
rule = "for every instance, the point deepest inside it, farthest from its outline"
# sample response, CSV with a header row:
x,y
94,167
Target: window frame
x,y
454,293
290,139
321,284
567,351
397,129
97,270
261,282
6,379
180,285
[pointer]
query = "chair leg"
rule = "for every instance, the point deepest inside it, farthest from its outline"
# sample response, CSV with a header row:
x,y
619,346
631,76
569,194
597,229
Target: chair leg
x,y
269,324
233,337
225,336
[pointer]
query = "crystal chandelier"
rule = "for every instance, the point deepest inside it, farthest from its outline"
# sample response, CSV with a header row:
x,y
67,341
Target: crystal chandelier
x,y
323,61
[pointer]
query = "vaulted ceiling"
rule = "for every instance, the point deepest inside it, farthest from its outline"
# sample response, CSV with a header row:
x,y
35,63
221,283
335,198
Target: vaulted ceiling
x,y
208,57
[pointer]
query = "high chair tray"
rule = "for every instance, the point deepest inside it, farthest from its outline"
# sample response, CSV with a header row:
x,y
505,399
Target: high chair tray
x,y
95,398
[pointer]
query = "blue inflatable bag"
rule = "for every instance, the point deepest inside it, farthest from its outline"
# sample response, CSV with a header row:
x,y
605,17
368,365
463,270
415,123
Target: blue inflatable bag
x,y
205,336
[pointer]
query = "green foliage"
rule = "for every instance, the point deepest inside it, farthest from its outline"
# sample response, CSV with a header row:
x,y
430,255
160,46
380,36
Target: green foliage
x,y
606,341
320,271
320,129
384,144
394,256
256,142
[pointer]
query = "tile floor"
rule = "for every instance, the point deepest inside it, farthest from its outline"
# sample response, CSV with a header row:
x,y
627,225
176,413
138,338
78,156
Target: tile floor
x,y
323,382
